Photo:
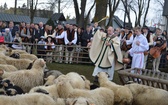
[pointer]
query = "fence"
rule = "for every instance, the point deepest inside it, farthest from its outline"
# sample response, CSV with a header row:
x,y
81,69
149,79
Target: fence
x,y
58,54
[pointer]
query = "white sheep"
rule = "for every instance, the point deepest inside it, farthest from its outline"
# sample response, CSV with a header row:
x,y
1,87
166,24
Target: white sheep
x,y
8,68
76,80
100,96
49,80
122,95
27,99
27,79
18,63
52,90
146,95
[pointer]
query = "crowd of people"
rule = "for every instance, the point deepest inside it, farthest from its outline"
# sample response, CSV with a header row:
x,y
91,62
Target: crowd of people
x,y
71,35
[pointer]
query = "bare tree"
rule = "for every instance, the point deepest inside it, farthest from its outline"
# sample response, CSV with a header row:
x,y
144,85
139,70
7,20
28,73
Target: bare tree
x,y
33,8
113,5
146,12
80,15
101,10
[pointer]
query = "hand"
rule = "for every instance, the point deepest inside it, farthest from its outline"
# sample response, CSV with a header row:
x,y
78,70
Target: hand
x,y
128,52
36,40
70,43
108,44
123,40
87,40
137,43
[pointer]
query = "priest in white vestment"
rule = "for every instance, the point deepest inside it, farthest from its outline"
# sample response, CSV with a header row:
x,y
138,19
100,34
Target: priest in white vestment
x,y
105,53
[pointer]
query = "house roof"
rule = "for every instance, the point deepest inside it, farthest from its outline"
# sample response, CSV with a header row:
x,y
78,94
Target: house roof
x,y
165,8
20,18
58,16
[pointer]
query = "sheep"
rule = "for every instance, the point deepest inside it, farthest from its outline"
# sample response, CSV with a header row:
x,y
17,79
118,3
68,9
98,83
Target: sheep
x,y
27,79
18,63
11,88
146,95
56,73
49,80
8,68
99,96
76,80
27,99
52,90
122,95
31,57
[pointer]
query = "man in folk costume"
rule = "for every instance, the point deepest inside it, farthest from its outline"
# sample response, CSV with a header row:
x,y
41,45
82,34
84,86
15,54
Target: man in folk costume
x,y
70,40
60,41
50,32
26,35
149,37
139,46
126,42
159,41
105,53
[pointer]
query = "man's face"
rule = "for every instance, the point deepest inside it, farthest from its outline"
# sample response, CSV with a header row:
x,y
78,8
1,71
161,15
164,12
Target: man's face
x,y
137,32
158,32
110,31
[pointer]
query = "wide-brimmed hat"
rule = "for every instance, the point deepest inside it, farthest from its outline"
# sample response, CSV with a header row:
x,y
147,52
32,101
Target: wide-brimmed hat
x,y
42,37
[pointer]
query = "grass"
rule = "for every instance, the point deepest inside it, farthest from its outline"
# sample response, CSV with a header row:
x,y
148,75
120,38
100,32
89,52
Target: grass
x,y
85,70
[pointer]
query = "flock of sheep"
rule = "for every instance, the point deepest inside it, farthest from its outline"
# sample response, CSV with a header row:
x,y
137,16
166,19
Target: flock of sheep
x,y
24,81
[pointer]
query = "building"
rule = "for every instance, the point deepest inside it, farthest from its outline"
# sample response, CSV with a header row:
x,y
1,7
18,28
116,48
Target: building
x,y
20,18
165,15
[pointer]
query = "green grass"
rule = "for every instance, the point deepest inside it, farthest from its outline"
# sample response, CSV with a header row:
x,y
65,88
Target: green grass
x,y
85,70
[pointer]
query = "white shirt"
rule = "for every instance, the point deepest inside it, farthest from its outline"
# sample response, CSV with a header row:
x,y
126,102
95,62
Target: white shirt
x,y
142,47
73,41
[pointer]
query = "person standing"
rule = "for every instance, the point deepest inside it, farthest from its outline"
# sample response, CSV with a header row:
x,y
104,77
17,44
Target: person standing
x,y
159,40
149,37
139,46
86,38
126,42
70,40
105,53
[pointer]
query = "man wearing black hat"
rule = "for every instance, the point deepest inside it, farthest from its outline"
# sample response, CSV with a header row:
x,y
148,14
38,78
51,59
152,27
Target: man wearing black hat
x,y
149,37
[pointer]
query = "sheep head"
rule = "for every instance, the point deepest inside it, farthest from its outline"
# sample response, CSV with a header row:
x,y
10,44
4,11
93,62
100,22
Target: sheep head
x,y
78,101
39,63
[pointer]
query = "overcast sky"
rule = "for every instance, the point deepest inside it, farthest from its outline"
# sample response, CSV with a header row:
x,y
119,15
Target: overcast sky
x,y
69,9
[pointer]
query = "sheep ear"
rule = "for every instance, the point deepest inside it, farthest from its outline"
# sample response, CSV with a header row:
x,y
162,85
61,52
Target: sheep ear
x,y
42,62
74,102
98,74
87,102
45,79
107,75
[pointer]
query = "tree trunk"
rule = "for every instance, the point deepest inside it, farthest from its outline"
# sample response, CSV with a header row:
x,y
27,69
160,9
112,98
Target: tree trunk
x,y
81,19
15,9
33,10
146,12
101,10
112,9
76,10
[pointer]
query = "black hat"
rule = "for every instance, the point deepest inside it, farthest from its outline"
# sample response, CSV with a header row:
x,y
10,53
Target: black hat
x,y
145,27
127,27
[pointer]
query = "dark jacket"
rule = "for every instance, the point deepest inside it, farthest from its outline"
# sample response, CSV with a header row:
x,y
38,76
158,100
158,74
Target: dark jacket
x,y
86,36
